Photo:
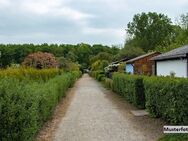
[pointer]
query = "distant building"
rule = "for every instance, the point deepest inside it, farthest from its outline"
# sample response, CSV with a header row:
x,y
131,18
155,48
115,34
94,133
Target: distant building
x,y
174,62
142,64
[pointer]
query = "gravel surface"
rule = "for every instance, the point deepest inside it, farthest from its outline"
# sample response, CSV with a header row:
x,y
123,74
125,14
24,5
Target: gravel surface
x,y
97,114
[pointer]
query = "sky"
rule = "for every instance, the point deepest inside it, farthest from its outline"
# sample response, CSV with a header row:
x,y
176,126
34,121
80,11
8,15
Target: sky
x,y
76,21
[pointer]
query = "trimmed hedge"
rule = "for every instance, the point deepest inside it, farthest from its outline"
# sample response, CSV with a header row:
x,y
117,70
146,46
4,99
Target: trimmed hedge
x,y
174,137
98,75
131,87
24,107
108,83
164,97
167,98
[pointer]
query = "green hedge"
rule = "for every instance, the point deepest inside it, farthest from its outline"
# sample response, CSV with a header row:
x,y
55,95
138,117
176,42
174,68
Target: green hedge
x,y
167,98
99,75
174,137
24,107
108,83
164,97
131,87
30,73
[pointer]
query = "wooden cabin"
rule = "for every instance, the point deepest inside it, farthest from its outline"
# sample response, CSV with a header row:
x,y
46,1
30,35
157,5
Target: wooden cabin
x,y
142,64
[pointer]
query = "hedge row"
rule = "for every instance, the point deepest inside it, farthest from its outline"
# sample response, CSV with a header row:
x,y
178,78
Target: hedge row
x,y
98,75
164,97
167,98
30,73
130,87
108,83
24,107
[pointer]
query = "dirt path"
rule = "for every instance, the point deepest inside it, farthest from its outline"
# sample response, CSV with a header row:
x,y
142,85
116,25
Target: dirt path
x,y
96,114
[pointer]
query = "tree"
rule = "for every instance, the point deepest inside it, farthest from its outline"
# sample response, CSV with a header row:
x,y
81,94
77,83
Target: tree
x,y
150,30
129,52
68,65
40,60
184,21
83,53
102,56
181,35
99,65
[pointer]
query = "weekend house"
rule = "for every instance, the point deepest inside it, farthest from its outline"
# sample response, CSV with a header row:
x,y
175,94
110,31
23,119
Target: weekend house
x,y
174,62
142,64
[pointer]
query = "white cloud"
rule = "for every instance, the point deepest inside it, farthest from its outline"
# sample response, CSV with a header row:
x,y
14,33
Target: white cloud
x,y
73,14
115,32
76,20
4,3
53,8
40,6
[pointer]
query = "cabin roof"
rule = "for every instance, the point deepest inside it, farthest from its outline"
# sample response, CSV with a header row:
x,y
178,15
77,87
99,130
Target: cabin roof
x,y
140,57
176,53
122,60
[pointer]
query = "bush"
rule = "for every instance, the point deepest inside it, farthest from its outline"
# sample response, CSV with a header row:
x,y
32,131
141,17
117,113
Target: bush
x,y
131,87
174,137
25,106
167,98
108,83
30,73
99,75
40,60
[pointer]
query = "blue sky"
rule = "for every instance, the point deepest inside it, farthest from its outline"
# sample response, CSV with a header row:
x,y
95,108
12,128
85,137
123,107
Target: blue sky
x,y
76,21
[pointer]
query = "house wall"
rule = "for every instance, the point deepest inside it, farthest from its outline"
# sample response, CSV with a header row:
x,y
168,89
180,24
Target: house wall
x,y
179,67
145,65
129,68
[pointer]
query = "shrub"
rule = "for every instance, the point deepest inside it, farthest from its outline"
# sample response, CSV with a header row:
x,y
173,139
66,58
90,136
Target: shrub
x,y
131,87
174,137
68,65
25,106
108,83
167,98
30,73
99,65
99,75
40,60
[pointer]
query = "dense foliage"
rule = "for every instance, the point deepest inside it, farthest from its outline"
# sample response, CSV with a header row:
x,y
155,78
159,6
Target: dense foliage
x,y
164,97
41,60
79,54
130,87
30,73
167,98
98,75
156,32
25,106
108,83
149,30
174,137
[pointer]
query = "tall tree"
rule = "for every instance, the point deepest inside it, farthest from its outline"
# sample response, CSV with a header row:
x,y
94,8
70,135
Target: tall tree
x,y
150,30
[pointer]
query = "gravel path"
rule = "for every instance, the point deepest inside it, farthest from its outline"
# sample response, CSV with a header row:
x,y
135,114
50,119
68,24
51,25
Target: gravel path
x,y
96,114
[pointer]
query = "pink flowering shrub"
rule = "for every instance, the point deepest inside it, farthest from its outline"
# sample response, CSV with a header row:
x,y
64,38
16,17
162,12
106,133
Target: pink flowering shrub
x,y
41,60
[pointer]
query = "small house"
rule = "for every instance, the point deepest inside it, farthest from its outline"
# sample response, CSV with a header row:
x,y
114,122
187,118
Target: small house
x,y
113,67
174,62
142,64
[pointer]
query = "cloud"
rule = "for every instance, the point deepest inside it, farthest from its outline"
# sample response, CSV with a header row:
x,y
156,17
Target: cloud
x,y
56,8
74,21
4,3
